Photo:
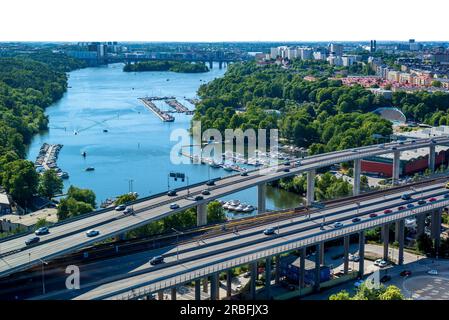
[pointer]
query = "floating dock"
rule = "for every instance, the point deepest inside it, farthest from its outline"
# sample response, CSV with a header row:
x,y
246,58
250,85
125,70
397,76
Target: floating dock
x,y
193,101
47,157
180,108
164,116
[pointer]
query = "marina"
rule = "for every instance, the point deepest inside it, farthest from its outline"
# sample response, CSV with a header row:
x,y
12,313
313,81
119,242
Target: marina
x,y
177,106
164,116
47,158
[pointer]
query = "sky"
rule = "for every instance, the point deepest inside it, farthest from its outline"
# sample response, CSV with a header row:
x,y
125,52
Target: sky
x,y
225,20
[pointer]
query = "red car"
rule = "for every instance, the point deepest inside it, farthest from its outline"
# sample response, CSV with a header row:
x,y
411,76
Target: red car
x,y
405,273
432,199
401,208
372,215
388,211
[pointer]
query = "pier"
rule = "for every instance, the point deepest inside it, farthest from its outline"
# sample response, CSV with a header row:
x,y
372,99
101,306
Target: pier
x,y
193,101
164,116
47,157
180,108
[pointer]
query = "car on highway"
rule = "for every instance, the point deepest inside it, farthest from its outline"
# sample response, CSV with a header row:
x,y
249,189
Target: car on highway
x,y
128,210
120,207
198,198
286,170
387,211
385,278
156,260
401,208
244,174
433,272
171,193
356,220
406,196
354,150
413,141
92,233
393,148
269,231
298,163
286,163
447,185
410,205
41,231
31,241
338,225
421,202
432,199
405,273
205,192
174,206
382,146
372,215
446,195
210,183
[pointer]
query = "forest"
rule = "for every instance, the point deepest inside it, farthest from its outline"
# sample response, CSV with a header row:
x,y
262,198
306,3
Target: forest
x,y
174,66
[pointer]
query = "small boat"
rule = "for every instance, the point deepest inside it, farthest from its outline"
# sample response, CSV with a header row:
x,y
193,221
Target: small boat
x,y
105,130
90,169
63,175
226,205
248,208
84,154
227,167
215,165
240,207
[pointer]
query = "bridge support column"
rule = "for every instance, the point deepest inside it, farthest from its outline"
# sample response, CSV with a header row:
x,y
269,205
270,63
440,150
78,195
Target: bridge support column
x,y
253,268
396,167
321,252
198,290
346,254
310,196
386,239
361,253
268,277
432,158
302,267
317,266
201,214
211,64
420,224
400,235
160,295
205,284
261,197
228,283
357,169
277,271
214,287
173,293
435,228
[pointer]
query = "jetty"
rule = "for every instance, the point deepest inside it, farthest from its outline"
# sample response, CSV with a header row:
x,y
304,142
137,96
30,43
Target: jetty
x,y
164,116
47,157
193,101
177,106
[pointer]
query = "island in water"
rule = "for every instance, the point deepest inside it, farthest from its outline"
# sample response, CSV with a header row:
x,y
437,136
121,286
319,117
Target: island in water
x,y
175,66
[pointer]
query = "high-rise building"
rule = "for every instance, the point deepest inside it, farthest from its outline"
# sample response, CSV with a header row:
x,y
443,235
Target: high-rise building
x,y
336,49
373,46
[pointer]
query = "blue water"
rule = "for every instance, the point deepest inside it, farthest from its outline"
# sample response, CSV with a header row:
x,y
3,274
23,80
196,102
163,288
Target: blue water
x,y
137,145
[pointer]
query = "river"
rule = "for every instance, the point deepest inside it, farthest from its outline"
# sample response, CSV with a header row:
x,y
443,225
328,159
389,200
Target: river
x,y
137,144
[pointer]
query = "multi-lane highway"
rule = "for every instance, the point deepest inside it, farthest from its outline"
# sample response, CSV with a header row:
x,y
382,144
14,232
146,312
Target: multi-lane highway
x,y
199,258
70,236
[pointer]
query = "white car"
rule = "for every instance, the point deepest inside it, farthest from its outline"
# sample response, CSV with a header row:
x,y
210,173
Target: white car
x,y
174,206
92,233
432,272
383,263
338,225
41,231
377,262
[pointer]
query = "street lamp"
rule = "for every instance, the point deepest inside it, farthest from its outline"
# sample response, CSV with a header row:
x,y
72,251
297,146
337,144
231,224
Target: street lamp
x,y
43,274
177,242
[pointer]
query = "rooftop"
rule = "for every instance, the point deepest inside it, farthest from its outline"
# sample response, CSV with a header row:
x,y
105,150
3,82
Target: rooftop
x,y
4,200
31,219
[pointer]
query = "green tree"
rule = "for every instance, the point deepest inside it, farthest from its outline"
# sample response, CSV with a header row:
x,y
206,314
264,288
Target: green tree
x,y
215,212
50,184
83,195
391,293
342,295
424,243
125,198
20,179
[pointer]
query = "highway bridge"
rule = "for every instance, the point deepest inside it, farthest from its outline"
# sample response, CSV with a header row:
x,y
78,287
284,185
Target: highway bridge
x,y
204,259
70,235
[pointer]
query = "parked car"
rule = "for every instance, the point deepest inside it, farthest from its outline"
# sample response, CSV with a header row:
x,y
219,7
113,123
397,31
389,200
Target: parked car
x,y
92,233
31,241
372,215
205,192
432,272
42,230
174,206
405,273
156,260
386,211
171,193
120,207
269,231
383,263
377,262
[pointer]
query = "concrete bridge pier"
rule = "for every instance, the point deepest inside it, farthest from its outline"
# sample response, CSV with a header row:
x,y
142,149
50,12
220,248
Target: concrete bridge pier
x,y
386,239
261,197
396,167
321,252
211,64
214,287
253,271
356,188
317,279
220,65
173,293
346,254
302,267
160,295
268,277
420,224
361,253
205,284
201,214
228,283
435,228
400,233
310,196
277,261
431,158
198,289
